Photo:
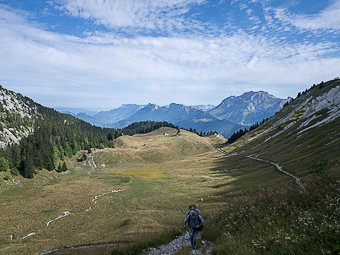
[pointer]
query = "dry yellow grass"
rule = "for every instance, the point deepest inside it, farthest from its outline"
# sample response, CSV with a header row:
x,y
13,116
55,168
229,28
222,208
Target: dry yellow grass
x,y
158,175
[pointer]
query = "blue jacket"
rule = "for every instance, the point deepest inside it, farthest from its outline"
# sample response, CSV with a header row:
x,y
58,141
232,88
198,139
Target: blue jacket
x,y
193,222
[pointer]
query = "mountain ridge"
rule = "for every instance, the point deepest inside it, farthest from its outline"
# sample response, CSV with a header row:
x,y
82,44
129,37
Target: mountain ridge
x,y
254,106
106,118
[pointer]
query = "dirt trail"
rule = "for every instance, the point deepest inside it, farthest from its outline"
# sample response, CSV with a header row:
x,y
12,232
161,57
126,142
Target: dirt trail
x,y
278,166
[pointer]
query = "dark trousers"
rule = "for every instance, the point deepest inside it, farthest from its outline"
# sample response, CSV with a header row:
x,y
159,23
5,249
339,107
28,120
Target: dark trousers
x,y
193,237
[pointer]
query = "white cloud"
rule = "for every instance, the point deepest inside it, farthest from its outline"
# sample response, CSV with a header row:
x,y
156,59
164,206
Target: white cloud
x,y
326,19
149,14
145,69
243,7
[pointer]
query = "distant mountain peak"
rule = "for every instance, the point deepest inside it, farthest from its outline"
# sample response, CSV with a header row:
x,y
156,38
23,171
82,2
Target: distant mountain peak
x,y
179,106
151,106
248,108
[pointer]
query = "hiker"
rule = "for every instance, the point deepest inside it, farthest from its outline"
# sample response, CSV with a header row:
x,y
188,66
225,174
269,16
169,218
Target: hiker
x,y
195,222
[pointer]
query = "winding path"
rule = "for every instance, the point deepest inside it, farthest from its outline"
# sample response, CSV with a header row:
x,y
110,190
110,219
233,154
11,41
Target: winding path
x,y
278,166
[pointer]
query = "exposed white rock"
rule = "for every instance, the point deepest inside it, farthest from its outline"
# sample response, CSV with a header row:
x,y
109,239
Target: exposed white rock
x,y
310,107
12,103
330,101
66,213
30,234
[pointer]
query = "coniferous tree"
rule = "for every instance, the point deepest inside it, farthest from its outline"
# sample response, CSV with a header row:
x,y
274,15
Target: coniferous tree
x,y
27,169
64,167
59,169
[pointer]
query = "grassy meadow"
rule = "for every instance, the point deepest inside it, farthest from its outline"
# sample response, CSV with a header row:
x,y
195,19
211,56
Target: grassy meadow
x,y
158,177
249,207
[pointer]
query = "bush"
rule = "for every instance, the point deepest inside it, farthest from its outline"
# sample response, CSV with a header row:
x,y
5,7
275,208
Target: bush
x,y
3,164
15,171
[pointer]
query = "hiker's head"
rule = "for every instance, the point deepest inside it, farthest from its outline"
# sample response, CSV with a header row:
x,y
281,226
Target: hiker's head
x,y
192,205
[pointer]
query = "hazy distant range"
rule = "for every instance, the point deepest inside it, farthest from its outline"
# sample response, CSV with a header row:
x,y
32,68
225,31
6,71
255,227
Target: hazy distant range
x,y
232,114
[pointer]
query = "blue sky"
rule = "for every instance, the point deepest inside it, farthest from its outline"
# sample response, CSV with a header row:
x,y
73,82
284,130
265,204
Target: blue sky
x,y
99,54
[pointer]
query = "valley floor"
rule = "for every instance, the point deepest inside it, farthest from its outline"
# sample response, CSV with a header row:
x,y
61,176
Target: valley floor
x,y
135,196
118,196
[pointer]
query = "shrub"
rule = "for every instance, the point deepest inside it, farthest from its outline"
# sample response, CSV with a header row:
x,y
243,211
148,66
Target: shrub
x,y
3,164
15,171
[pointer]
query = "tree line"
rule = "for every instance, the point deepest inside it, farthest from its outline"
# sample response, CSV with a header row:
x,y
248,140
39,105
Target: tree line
x,y
241,132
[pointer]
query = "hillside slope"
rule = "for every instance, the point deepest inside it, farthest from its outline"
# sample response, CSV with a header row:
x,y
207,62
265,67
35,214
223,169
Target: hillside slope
x,y
303,135
33,137
285,197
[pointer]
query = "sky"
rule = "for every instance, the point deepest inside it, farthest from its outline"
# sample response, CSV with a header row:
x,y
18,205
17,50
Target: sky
x,y
99,54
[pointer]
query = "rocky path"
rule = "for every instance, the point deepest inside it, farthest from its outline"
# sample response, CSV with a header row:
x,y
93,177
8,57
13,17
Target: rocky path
x,y
178,244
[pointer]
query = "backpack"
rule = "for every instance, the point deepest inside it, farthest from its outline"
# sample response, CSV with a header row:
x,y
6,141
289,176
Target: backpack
x,y
198,211
194,216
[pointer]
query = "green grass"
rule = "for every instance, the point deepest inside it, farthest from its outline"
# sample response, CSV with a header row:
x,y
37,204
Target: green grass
x,y
151,173
49,211
280,220
149,210
156,190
